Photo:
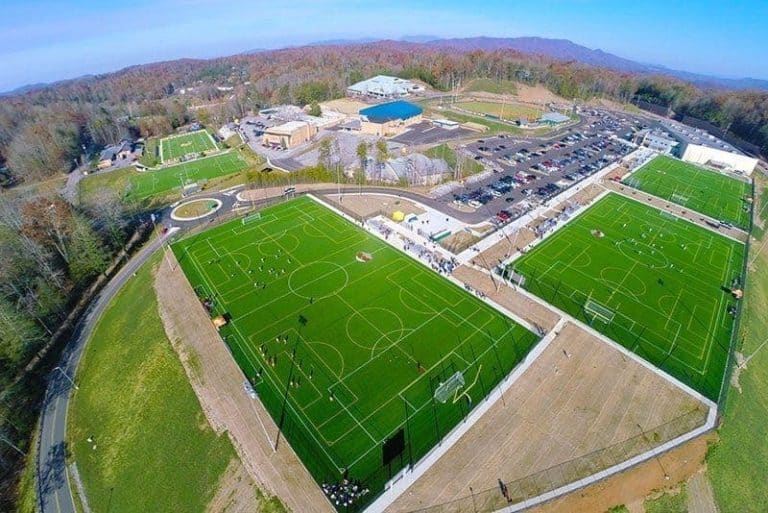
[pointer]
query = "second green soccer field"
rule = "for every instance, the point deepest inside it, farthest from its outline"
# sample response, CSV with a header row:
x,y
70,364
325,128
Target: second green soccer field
x,y
710,193
345,339
656,284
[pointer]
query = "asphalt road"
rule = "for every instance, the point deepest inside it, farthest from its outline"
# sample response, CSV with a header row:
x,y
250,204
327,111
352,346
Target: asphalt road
x,y
54,490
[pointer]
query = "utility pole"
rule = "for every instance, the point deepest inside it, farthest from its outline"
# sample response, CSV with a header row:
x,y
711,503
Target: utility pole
x,y
68,378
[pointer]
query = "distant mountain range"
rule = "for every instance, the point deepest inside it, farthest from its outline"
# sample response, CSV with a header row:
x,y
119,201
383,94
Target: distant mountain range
x,y
563,49
559,49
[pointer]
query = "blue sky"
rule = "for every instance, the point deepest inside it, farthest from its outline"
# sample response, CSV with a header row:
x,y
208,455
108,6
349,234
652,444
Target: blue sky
x,y
42,41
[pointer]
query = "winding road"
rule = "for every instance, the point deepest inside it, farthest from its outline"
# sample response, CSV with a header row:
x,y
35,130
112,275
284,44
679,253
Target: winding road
x,y
54,490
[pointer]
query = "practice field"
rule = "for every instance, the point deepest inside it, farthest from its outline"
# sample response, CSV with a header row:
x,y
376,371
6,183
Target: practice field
x,y
654,283
180,145
151,183
704,191
346,340
501,110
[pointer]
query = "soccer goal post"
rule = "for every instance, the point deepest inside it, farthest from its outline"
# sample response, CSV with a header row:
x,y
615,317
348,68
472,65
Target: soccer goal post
x,y
598,311
679,199
252,217
447,390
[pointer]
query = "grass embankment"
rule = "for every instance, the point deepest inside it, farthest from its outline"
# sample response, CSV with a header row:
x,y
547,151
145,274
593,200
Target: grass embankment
x,y
154,450
26,501
448,154
738,464
669,503
489,85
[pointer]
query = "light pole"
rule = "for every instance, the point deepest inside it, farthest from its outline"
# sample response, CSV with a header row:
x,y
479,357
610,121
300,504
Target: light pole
x,y
472,493
68,378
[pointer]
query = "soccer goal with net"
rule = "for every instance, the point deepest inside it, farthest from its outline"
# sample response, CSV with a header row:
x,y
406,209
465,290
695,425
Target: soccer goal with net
x,y
679,199
449,388
598,311
251,217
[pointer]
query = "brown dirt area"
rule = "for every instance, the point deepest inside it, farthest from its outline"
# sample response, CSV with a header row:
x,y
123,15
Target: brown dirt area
x,y
578,397
509,298
346,106
235,491
218,383
634,485
537,94
672,208
368,205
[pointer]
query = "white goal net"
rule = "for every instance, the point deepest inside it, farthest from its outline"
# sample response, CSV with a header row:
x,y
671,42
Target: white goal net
x,y
598,311
252,217
448,389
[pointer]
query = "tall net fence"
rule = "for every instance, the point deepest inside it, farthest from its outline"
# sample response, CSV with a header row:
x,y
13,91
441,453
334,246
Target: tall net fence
x,y
524,489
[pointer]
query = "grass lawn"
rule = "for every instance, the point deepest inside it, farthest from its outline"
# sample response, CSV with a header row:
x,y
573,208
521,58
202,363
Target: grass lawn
x,y
738,465
649,281
154,448
490,85
151,155
508,111
179,145
448,154
708,192
152,183
342,352
116,182
195,208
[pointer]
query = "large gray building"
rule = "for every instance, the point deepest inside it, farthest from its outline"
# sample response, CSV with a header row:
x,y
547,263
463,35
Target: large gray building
x,y
383,86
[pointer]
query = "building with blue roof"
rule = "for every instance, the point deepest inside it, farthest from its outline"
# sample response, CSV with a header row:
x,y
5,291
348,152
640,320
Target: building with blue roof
x,y
389,118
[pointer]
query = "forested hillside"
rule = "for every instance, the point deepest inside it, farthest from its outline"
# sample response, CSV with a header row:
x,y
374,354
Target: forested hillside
x,y
42,132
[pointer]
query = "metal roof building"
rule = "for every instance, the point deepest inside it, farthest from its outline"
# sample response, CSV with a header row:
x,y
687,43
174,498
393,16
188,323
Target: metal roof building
x,y
554,118
383,86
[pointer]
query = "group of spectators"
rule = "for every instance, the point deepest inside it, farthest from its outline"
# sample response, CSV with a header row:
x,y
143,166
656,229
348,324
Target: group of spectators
x,y
345,493
438,263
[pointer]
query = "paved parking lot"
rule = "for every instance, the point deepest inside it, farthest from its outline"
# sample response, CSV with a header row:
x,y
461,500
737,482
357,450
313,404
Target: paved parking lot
x,y
427,133
526,173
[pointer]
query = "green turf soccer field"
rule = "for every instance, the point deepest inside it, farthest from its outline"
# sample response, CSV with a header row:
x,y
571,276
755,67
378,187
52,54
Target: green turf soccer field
x,y
360,347
180,145
151,183
648,280
710,193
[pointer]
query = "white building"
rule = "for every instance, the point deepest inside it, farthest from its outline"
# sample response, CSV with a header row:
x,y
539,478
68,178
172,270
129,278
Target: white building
x,y
659,141
700,147
416,169
383,86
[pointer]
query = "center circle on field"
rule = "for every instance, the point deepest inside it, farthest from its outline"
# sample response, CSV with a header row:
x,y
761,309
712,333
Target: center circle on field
x,y
368,326
623,282
278,244
318,280
641,252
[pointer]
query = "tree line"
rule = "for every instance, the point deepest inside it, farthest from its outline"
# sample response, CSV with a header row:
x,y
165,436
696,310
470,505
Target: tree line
x,y
44,132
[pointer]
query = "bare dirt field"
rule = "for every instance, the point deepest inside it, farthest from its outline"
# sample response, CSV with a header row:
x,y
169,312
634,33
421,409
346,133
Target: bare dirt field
x,y
367,205
218,384
346,106
580,396
633,486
